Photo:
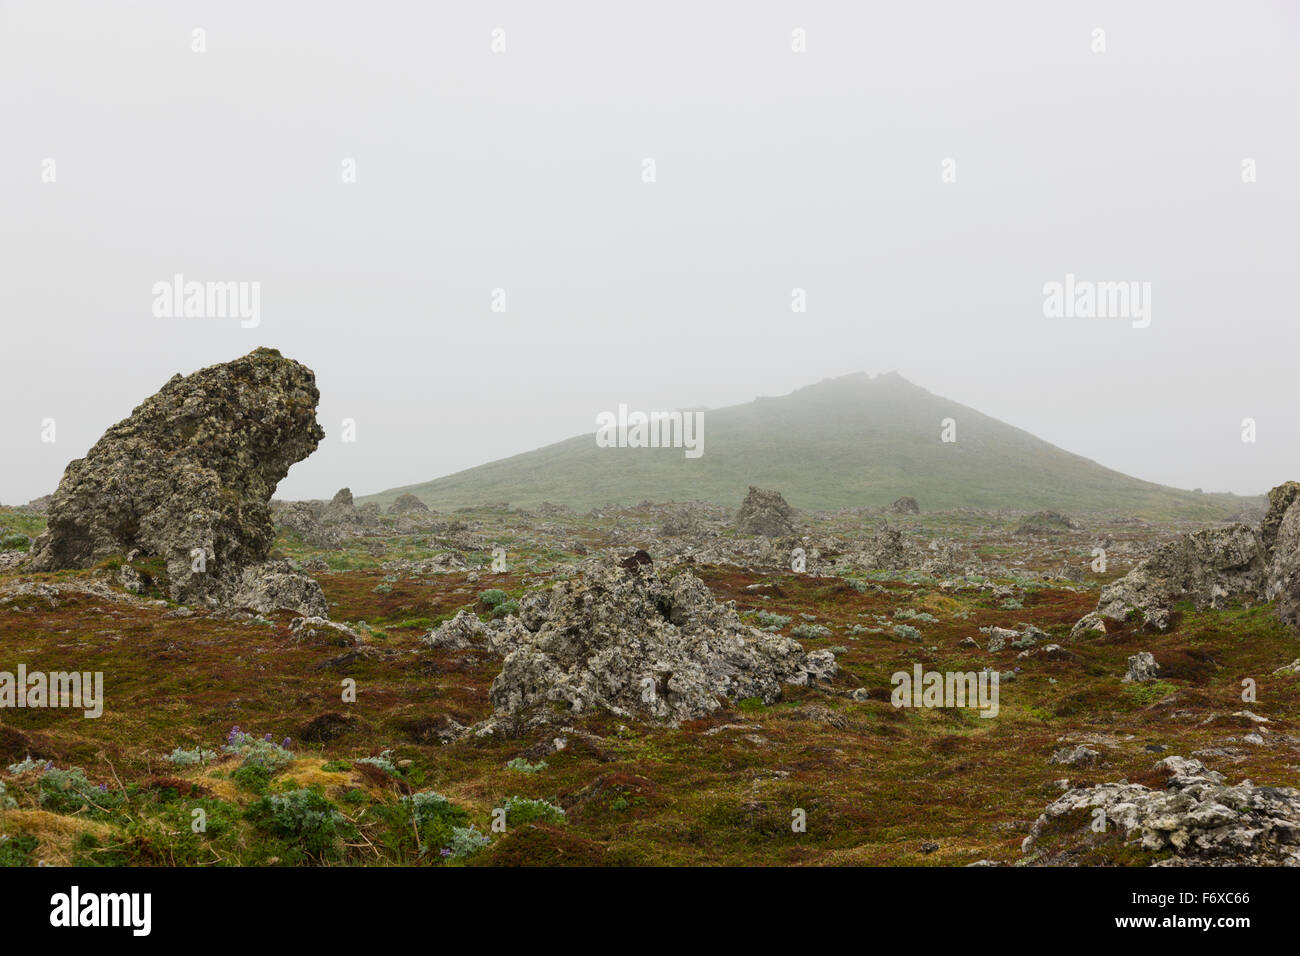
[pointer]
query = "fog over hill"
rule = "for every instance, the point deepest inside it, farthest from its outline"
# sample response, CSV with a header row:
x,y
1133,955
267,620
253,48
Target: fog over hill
x,y
852,441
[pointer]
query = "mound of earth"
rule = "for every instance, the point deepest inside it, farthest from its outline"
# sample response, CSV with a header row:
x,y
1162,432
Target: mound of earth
x,y
1046,523
188,477
624,639
1197,820
765,513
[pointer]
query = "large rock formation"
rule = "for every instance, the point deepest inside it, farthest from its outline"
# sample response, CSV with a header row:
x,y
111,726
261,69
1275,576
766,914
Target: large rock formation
x,y
1280,500
765,513
188,477
1280,537
623,639
886,549
1205,566
1197,820
406,504
905,505
271,586
1046,523
327,524
1210,565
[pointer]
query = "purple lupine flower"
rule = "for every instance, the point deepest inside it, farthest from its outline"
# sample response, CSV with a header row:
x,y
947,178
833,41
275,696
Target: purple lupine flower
x,y
285,744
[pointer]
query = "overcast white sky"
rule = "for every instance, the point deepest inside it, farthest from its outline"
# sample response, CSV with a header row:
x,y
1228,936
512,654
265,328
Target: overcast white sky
x,y
523,170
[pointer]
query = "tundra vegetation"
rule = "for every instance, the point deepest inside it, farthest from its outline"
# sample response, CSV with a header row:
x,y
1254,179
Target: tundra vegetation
x,y
239,718
336,683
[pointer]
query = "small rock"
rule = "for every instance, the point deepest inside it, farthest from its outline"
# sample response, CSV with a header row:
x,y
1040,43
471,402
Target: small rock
x,y
1142,667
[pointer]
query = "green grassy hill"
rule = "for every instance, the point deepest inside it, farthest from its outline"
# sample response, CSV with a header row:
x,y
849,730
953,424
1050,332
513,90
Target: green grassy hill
x,y
854,441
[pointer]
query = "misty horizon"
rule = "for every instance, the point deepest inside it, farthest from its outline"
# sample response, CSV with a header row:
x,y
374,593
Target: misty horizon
x,y
594,430
917,177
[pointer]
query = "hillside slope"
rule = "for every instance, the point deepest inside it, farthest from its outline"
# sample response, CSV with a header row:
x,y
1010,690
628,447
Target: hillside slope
x,y
854,441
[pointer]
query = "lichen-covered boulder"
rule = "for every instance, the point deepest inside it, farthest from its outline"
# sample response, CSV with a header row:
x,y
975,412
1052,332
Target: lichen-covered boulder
x,y
1280,535
188,476
271,586
623,639
1142,667
1205,566
407,504
886,549
1197,820
326,524
765,513
1280,500
1046,523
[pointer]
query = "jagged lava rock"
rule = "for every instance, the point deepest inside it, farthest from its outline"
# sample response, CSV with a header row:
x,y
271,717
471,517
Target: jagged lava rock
x,y
405,504
905,505
1197,820
1280,536
637,644
1046,523
1205,566
193,467
765,513
1142,667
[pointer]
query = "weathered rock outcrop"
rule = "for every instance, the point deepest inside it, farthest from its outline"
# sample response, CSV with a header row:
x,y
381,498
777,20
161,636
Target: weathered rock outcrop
x,y
1142,667
188,477
624,639
406,504
1046,523
271,586
1280,537
1280,500
765,513
1210,565
886,550
327,524
1204,566
1196,820
466,631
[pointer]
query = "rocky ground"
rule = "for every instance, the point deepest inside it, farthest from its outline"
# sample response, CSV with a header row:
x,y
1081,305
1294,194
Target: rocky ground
x,y
669,683
322,682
